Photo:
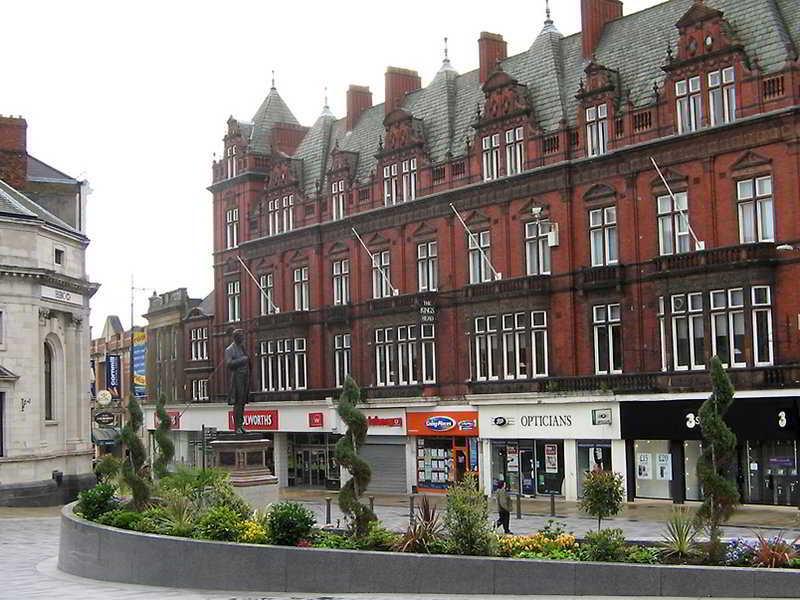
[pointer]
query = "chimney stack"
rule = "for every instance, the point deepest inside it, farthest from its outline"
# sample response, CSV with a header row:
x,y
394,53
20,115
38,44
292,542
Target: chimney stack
x,y
594,16
399,82
359,99
13,151
491,49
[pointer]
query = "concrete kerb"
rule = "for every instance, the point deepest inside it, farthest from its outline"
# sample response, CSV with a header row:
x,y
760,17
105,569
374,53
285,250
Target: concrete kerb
x,y
105,553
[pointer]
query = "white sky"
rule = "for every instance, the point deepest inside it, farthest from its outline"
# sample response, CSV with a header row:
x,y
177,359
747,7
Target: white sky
x,y
134,96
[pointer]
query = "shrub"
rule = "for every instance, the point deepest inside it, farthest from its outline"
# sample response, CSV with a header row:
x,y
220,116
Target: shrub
x,y
107,467
422,535
133,470
794,563
606,545
552,554
641,555
775,552
179,515
191,482
335,541
467,519
602,495
739,553
379,538
220,523
124,519
538,543
680,539
253,532
222,493
289,522
96,501
166,447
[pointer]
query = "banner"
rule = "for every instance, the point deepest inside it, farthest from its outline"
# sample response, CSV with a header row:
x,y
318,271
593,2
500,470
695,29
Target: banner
x,y
114,376
140,364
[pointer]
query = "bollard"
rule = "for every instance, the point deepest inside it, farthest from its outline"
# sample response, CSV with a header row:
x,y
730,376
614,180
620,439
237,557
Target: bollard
x,y
519,506
552,505
372,504
411,509
327,510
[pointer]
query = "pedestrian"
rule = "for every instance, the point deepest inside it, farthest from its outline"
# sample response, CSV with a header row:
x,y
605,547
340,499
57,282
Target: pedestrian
x,y
503,507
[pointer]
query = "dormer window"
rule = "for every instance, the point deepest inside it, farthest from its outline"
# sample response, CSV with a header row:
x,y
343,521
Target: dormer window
x,y
722,96
409,168
689,104
230,161
491,156
597,130
337,200
515,150
231,228
390,184
280,214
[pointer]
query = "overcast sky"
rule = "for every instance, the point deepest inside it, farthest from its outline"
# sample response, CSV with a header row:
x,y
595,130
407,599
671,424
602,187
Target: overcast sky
x,y
134,97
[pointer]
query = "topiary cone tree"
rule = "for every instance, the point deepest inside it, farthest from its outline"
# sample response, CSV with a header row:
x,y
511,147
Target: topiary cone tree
x,y
720,494
132,465
347,456
166,448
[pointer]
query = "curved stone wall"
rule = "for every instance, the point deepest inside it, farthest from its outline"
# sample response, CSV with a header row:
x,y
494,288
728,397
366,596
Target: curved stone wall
x,y
109,554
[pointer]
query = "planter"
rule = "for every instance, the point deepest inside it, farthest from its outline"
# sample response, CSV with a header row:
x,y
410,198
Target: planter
x,y
109,554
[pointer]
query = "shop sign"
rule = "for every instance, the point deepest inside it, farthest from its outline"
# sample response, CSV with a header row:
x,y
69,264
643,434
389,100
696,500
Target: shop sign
x,y
427,312
51,293
546,420
256,420
316,419
104,418
385,421
104,398
601,416
463,424
114,375
174,417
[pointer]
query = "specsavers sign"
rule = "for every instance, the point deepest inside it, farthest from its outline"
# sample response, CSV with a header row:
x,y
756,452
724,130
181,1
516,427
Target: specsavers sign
x,y
579,420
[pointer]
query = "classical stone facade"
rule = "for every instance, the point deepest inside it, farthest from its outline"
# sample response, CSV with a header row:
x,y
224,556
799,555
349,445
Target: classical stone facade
x,y
45,431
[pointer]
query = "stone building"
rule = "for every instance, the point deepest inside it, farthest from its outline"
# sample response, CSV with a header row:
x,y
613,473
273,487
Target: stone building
x,y
45,427
496,260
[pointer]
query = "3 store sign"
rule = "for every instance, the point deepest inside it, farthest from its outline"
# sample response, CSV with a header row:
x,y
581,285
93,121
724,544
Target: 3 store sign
x,y
693,420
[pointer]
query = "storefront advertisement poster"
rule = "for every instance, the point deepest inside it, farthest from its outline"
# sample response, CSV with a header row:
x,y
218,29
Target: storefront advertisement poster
x,y
512,458
664,467
644,466
551,458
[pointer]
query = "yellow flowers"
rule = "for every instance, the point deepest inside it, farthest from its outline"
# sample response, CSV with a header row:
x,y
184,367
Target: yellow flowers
x,y
253,533
512,545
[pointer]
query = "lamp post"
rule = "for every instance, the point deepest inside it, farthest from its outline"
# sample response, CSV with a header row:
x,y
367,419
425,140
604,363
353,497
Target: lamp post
x,y
131,386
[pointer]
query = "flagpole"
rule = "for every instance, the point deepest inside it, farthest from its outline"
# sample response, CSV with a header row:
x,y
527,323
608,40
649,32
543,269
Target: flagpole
x,y
266,294
395,291
474,239
698,244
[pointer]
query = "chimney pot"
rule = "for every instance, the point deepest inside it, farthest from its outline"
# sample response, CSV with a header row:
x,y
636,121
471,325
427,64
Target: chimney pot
x,y
594,16
492,49
359,99
399,82
13,151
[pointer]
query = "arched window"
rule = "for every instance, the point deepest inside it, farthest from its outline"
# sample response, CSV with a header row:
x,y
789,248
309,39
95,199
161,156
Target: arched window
x,y
48,382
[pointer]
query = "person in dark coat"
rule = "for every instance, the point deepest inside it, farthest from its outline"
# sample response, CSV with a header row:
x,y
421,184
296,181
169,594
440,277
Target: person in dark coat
x,y
503,507
238,365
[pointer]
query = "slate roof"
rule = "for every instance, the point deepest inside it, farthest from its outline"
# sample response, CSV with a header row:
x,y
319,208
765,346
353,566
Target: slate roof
x,y
273,110
15,204
552,68
42,172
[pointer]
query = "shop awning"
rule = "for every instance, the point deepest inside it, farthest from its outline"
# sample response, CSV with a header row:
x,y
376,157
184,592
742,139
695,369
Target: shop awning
x,y
105,436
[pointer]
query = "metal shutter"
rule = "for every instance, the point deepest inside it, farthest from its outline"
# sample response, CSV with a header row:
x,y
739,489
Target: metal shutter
x,y
388,462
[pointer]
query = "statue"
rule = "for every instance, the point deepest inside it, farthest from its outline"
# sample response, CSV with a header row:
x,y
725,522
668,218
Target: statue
x,y
238,364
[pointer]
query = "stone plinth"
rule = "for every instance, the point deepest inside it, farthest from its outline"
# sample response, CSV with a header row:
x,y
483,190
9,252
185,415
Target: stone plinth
x,y
245,458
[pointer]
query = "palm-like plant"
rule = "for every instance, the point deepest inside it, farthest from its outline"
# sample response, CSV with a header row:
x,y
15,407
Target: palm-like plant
x,y
775,552
679,541
424,532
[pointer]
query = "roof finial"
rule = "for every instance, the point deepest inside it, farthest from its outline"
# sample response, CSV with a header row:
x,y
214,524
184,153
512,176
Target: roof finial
x,y
273,79
548,20
326,96
445,49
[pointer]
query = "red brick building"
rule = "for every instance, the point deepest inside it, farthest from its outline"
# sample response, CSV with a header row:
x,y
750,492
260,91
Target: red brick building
x,y
577,279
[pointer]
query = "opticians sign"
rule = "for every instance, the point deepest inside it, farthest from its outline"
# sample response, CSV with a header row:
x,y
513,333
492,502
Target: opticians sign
x,y
552,420
444,423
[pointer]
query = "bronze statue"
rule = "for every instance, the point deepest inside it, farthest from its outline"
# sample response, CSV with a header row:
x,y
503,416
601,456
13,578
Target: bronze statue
x,y
238,364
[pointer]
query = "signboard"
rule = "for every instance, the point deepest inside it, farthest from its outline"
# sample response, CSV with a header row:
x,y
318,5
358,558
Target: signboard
x,y
551,421
664,467
644,466
316,419
114,375
256,420
104,418
92,380
104,398
139,364
174,416
551,458
512,458
427,312
601,416
51,293
444,423
385,421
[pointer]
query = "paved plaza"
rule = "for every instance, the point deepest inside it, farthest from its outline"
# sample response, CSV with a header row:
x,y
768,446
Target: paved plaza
x,y
29,546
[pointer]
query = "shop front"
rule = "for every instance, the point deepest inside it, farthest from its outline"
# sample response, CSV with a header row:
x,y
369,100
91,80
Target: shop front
x,y
548,447
445,447
385,450
664,442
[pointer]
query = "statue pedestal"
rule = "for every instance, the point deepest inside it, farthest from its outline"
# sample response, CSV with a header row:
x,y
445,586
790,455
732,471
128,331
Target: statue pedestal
x,y
244,457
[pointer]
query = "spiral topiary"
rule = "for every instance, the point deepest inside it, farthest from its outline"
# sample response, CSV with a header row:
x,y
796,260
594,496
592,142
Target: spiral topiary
x,y
133,464
720,494
166,448
346,454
